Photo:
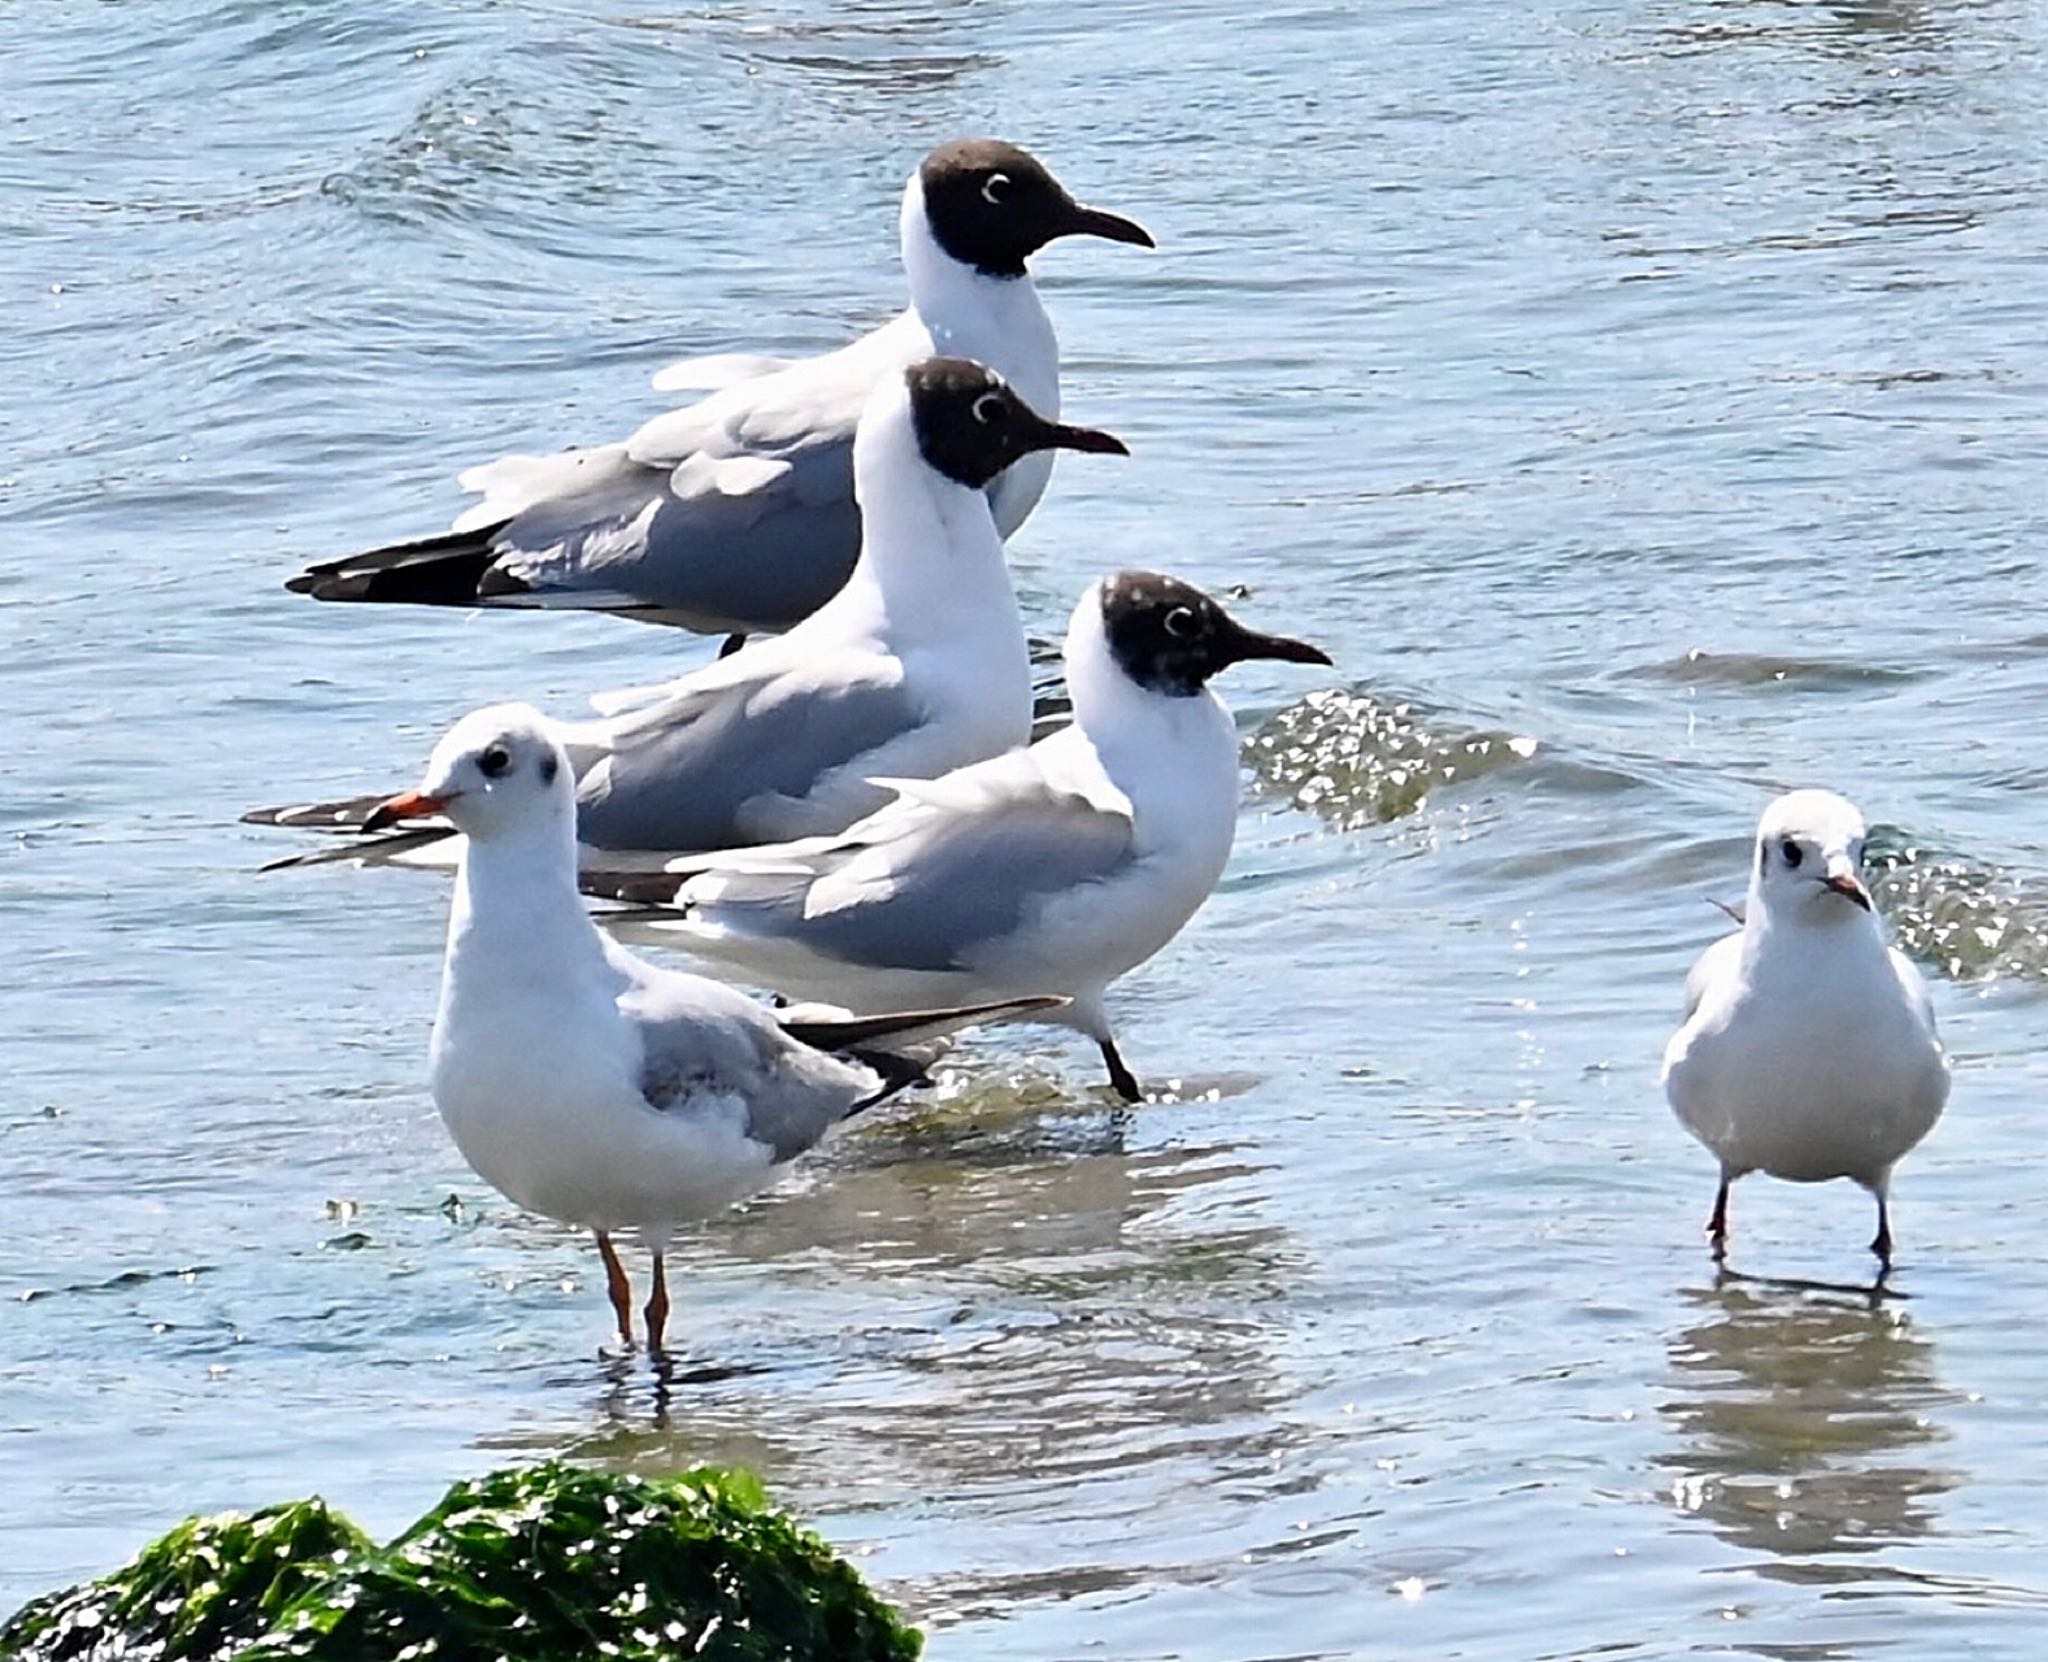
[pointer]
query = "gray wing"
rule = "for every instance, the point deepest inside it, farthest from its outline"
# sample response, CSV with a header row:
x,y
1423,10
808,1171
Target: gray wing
x,y
684,773
736,511
755,540
1717,961
926,885
699,1038
768,571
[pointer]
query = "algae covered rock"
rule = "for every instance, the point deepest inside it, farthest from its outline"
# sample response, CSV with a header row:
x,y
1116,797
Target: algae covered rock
x,y
548,1563
209,1588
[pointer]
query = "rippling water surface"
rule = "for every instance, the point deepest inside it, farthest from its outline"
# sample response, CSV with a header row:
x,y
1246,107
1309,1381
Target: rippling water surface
x,y
1643,401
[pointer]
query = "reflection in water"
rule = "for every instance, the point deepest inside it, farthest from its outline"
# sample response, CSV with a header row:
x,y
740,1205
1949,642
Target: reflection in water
x,y
1022,1317
1806,1424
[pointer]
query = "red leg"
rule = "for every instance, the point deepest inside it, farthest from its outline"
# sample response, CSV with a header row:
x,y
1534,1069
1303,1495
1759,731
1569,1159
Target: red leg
x,y
657,1305
620,1289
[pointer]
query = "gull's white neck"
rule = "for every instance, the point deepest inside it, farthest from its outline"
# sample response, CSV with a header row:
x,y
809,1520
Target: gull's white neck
x,y
1787,931
517,914
931,564
998,321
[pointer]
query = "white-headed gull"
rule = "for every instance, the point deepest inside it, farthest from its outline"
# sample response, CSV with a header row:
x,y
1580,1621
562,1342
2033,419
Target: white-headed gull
x,y
586,1084
737,513
1808,1049
1055,869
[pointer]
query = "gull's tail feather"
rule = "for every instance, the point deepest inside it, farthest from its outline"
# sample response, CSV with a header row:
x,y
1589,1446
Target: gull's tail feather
x,y
900,1049
346,815
388,848
905,1026
454,568
346,844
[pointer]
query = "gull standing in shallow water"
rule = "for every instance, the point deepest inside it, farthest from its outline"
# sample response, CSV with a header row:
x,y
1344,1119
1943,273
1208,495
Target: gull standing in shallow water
x,y
1808,1049
589,1085
737,514
917,666
1055,869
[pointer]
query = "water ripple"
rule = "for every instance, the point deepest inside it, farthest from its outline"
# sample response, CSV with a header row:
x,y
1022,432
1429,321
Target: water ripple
x,y
1970,921
1357,759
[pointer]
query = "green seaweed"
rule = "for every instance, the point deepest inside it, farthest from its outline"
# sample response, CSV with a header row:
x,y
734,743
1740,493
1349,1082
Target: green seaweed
x,y
549,1563
208,1588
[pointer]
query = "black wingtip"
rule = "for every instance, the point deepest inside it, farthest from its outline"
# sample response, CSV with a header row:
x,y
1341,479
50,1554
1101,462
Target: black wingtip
x,y
861,1032
455,568
497,582
898,1071
368,851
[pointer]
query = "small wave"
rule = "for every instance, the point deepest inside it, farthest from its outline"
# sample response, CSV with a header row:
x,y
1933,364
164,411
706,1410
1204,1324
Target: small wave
x,y
889,74
430,169
1698,668
1358,760
500,151
1968,921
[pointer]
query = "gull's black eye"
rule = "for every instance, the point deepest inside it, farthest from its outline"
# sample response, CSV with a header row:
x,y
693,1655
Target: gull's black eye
x,y
1791,853
995,188
495,762
990,408
1180,622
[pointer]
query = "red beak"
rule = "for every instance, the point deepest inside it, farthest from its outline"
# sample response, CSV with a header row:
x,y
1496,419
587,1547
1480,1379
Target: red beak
x,y
1849,889
405,805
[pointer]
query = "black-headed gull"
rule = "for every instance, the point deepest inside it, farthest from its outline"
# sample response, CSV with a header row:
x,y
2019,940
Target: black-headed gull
x,y
1055,869
917,666
737,514
1808,1049
586,1084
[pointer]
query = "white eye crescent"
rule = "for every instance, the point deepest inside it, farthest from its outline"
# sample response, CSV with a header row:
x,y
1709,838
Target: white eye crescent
x,y
994,188
989,407
1181,621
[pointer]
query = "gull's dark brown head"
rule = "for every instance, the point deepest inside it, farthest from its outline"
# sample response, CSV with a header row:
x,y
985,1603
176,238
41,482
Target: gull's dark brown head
x,y
971,424
992,205
1170,637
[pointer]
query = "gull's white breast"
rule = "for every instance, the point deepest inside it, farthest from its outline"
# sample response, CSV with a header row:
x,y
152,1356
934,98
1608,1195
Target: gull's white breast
x,y
540,1088
1812,1059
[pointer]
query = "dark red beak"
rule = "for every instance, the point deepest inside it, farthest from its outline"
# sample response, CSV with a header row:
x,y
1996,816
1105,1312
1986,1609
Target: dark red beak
x,y
1849,888
405,805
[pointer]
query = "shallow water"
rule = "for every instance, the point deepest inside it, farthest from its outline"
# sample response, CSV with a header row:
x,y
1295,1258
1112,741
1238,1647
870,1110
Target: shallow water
x,y
1644,404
